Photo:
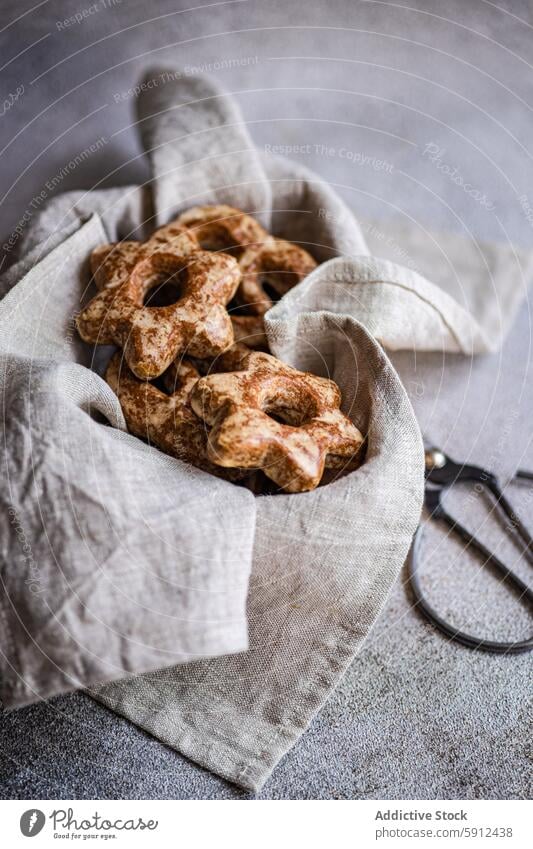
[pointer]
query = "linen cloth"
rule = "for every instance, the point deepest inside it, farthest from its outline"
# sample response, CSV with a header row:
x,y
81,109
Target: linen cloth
x,y
144,563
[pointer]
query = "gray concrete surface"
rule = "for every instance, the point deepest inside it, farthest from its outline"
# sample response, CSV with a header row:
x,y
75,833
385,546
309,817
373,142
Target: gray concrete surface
x,y
358,90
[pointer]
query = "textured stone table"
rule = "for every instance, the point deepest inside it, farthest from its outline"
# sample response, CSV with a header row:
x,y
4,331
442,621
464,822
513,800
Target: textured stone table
x,y
421,114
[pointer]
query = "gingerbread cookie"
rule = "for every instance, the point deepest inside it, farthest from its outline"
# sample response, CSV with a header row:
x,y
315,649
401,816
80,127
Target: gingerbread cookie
x,y
165,420
269,270
266,415
152,332
222,228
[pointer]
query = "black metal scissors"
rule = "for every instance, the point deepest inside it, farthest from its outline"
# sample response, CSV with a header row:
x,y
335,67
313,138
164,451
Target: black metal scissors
x,y
441,474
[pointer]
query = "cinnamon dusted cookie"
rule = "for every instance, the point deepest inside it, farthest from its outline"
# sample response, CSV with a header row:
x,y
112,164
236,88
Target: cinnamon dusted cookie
x,y
269,270
223,228
267,415
165,418
269,266
152,332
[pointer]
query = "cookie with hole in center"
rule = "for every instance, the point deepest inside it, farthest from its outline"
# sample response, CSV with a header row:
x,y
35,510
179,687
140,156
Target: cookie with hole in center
x,y
160,299
164,418
222,228
269,271
267,415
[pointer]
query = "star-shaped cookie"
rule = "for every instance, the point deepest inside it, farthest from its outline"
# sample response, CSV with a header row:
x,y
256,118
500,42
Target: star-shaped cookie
x,y
165,419
152,333
267,415
223,228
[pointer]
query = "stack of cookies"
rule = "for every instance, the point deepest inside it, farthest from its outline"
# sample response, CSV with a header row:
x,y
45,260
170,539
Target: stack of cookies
x,y
193,374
